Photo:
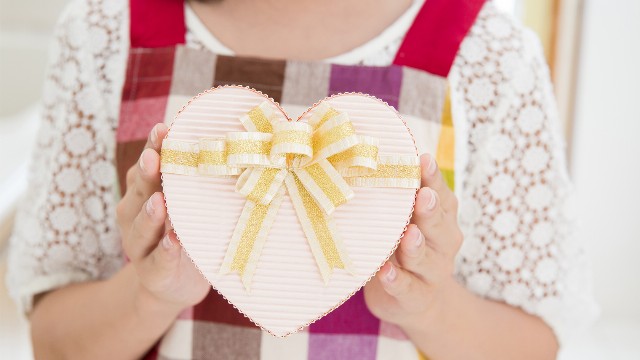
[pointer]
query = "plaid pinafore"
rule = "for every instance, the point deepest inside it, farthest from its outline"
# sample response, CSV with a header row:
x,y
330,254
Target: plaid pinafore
x,y
163,74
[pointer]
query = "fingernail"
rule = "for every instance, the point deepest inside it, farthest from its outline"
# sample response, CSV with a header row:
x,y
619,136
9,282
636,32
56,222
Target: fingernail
x,y
167,243
154,135
419,239
430,196
391,274
431,168
149,207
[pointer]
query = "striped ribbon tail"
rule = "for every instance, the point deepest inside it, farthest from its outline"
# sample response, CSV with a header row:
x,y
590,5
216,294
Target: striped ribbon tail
x,y
249,237
326,244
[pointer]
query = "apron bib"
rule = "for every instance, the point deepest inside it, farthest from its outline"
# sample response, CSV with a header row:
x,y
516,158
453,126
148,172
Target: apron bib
x,y
163,74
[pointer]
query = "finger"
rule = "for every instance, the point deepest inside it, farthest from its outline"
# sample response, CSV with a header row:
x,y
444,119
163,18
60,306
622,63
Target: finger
x,y
412,252
432,177
441,232
156,135
161,268
148,179
143,180
147,228
154,142
408,290
165,257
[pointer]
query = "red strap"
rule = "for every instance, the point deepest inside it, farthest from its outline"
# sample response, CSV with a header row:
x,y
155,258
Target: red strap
x,y
432,42
157,23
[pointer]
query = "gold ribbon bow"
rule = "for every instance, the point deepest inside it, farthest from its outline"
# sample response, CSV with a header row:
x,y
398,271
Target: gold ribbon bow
x,y
316,162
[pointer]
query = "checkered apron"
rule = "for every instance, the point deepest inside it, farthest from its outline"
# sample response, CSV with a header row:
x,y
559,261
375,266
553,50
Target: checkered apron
x,y
163,74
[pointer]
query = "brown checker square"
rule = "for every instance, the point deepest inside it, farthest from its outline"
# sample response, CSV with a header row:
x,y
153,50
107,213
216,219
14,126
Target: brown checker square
x,y
215,341
264,75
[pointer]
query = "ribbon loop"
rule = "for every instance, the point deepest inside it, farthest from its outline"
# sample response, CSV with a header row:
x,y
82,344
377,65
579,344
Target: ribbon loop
x,y
246,149
360,159
292,139
212,158
334,136
259,119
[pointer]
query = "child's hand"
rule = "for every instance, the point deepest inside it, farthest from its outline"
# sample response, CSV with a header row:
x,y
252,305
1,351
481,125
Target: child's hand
x,y
415,282
164,270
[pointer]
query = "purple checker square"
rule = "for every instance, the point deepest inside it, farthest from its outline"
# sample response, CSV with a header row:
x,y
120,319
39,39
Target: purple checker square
x,y
380,81
352,317
342,347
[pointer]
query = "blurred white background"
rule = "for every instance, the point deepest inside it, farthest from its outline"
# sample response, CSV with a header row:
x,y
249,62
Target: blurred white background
x,y
605,159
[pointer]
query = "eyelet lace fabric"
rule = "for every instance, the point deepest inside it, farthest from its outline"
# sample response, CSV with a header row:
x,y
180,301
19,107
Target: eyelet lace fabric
x,y
515,193
65,230
513,183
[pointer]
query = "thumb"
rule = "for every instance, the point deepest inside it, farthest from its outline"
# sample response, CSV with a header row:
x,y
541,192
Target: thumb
x,y
165,258
146,229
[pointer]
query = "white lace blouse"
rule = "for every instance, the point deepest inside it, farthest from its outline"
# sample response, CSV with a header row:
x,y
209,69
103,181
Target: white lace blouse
x,y
511,176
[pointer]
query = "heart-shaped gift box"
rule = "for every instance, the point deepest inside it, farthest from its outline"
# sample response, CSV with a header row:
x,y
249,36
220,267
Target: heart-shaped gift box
x,y
285,218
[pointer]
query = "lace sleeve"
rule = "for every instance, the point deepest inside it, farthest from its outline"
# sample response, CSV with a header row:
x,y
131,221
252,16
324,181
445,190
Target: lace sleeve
x,y
515,190
65,229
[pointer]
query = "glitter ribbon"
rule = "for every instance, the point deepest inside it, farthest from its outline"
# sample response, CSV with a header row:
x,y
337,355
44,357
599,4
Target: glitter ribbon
x,y
315,162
